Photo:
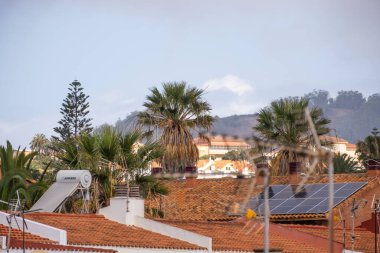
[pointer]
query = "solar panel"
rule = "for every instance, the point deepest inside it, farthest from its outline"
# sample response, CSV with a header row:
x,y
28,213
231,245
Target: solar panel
x,y
313,198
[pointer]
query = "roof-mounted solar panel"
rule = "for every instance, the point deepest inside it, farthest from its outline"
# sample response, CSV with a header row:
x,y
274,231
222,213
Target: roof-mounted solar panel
x,y
312,199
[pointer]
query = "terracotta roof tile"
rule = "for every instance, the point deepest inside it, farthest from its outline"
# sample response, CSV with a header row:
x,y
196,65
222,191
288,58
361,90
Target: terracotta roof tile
x,y
36,242
220,164
364,239
351,146
332,139
202,162
91,229
233,236
214,199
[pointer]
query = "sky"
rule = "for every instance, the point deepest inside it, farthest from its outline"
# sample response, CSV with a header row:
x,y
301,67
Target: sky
x,y
245,54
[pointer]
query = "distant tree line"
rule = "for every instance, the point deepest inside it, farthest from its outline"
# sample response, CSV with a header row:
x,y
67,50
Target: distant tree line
x,y
352,115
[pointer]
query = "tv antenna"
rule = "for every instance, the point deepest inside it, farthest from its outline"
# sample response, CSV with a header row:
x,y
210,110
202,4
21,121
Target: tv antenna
x,y
16,208
376,209
354,208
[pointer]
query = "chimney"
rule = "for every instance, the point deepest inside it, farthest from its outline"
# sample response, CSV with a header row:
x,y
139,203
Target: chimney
x,y
123,208
156,172
373,167
191,172
260,173
294,172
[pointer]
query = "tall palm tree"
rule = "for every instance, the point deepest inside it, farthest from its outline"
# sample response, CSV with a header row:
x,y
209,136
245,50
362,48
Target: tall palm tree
x,y
39,143
176,112
284,122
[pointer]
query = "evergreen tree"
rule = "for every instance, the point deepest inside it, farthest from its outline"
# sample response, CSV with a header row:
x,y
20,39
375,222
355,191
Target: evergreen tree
x,y
74,110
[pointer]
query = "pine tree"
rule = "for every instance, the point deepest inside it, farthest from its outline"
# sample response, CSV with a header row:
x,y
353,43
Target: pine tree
x,y
74,110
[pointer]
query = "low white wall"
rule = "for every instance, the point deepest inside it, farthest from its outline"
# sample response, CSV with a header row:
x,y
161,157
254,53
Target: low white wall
x,y
124,210
46,251
174,232
37,228
147,250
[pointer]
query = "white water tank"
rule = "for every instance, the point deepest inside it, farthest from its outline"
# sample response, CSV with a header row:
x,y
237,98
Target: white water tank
x,y
75,176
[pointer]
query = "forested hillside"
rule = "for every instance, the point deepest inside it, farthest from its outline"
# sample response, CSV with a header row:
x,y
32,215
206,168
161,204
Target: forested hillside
x,y
352,116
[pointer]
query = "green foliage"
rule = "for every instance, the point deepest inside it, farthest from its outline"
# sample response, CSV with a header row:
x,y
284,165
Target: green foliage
x,y
318,98
349,100
39,144
206,157
344,163
175,112
284,122
109,156
369,148
16,175
74,110
150,186
236,155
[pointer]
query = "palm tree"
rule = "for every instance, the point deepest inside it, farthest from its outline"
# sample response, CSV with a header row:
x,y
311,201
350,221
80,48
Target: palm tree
x,y
344,163
109,156
175,113
284,123
16,175
39,143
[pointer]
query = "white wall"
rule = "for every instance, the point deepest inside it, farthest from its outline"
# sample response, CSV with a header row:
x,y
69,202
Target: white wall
x,y
147,250
36,228
123,210
175,232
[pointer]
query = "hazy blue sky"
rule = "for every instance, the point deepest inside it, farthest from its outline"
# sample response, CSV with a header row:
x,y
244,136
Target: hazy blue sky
x,y
246,53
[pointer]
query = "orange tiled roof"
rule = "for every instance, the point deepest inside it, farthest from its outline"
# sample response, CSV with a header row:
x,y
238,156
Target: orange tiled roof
x,y
351,146
332,139
202,162
364,241
36,242
234,236
214,199
240,165
220,164
91,229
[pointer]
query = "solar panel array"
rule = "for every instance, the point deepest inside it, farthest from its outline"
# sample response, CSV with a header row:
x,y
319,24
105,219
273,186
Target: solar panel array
x,y
313,198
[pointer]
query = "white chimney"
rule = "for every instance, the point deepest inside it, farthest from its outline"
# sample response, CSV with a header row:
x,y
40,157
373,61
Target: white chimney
x,y
124,209
3,241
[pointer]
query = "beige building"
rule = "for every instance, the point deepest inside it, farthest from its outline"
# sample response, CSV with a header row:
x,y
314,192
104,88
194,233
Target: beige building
x,y
339,145
220,145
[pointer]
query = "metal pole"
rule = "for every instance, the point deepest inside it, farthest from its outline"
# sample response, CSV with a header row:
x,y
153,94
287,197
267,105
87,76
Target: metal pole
x,y
376,206
331,205
344,234
266,210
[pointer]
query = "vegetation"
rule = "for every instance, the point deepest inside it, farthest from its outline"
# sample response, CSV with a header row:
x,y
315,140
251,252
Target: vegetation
x,y
74,110
112,158
344,163
352,115
236,155
369,148
284,122
16,176
177,111
39,144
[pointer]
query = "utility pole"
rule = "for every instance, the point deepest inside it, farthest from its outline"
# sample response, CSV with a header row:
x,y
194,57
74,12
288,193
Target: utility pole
x,y
266,210
376,211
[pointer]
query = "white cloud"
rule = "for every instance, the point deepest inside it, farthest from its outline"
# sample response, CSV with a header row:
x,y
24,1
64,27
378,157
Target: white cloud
x,y
230,82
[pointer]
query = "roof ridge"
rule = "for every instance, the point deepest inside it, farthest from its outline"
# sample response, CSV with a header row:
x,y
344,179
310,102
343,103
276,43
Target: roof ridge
x,y
89,215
